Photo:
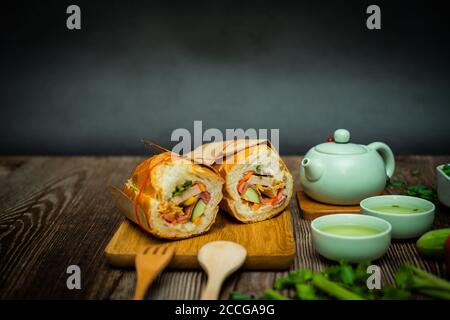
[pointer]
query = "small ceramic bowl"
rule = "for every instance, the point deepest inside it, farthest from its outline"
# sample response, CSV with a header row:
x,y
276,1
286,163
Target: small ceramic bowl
x,y
352,248
404,225
443,186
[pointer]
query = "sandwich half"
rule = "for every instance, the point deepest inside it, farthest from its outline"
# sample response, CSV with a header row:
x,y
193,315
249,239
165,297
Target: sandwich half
x,y
173,198
258,185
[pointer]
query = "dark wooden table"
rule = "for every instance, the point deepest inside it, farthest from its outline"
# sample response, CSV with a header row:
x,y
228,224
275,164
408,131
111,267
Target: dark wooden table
x,y
55,212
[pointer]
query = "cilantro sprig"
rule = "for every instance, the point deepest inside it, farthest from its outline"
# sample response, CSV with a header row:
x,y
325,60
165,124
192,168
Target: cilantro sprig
x,y
418,190
446,169
179,190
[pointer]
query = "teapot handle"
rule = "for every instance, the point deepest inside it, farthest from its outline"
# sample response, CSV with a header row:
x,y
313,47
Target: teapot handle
x,y
387,155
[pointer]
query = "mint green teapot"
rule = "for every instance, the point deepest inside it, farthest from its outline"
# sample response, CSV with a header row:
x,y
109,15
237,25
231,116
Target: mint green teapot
x,y
344,173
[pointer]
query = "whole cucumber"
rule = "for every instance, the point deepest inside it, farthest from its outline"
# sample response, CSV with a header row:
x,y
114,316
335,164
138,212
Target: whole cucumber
x,y
431,244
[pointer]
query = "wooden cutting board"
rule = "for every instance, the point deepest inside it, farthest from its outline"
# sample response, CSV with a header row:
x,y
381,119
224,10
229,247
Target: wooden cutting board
x,y
312,209
270,244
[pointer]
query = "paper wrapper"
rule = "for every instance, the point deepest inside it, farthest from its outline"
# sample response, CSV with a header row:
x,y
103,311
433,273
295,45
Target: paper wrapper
x,y
126,207
211,153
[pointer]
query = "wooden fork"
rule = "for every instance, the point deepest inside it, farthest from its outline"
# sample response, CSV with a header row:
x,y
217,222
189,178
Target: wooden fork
x,y
149,264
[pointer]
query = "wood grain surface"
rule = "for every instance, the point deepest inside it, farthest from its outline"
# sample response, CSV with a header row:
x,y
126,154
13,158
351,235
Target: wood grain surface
x,y
56,211
269,244
311,209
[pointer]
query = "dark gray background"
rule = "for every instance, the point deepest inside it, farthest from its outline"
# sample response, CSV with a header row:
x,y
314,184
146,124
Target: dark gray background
x,y
143,69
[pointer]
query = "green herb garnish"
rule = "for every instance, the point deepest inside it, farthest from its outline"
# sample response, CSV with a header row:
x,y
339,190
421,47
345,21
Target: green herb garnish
x,y
236,295
419,191
411,278
346,281
396,184
446,169
179,190
258,169
132,186
340,281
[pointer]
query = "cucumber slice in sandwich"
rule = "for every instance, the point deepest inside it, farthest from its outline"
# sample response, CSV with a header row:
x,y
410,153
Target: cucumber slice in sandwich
x,y
251,196
199,209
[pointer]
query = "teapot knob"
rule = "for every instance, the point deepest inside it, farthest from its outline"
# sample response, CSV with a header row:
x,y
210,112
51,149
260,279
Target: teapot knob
x,y
341,136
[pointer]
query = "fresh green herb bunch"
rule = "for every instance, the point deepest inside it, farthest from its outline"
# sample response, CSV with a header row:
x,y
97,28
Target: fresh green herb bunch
x,y
347,282
409,279
342,281
422,191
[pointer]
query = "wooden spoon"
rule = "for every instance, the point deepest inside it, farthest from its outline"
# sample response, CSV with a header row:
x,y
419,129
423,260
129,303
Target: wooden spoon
x,y
219,259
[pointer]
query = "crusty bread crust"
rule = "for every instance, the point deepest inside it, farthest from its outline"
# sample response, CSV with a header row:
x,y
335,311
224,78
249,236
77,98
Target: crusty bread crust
x,y
150,173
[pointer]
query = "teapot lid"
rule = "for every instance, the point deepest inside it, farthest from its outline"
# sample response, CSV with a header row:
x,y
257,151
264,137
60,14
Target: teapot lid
x,y
341,145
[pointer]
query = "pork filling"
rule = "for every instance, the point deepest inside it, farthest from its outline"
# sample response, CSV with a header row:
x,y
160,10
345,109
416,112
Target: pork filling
x,y
187,204
261,191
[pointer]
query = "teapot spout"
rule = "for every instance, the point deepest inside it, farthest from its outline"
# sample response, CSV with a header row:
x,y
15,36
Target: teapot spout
x,y
313,169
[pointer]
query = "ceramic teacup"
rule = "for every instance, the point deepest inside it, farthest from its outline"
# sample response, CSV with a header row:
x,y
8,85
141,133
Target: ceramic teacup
x,y
354,248
404,225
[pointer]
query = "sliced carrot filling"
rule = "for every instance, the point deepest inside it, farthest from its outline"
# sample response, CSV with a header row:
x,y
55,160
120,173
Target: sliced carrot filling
x,y
260,190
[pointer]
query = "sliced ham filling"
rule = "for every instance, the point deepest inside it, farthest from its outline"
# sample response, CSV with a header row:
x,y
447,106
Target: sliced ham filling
x,y
242,187
187,213
269,190
205,196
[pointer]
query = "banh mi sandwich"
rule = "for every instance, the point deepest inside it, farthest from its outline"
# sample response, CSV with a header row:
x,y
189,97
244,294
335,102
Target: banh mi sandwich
x,y
258,185
178,198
